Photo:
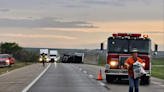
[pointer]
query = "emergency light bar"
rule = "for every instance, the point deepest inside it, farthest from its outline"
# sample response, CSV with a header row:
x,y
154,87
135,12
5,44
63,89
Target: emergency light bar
x,y
125,34
114,35
135,35
122,34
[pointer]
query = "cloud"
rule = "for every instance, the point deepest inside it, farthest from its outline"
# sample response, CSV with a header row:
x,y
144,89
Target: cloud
x,y
47,22
114,3
30,17
38,36
4,10
76,6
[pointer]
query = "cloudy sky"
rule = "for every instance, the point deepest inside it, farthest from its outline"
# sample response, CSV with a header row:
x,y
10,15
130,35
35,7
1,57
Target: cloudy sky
x,y
78,23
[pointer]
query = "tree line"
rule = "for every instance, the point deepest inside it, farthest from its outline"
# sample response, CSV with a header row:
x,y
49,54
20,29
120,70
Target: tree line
x,y
18,52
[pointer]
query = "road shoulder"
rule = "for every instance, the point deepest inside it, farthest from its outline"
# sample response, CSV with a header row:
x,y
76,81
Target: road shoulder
x,y
17,80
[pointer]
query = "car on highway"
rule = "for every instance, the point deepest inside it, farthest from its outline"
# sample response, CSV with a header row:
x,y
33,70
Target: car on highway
x,y
6,60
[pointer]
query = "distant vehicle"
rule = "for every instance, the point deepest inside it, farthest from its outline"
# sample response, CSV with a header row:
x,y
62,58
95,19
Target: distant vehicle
x,y
118,50
79,58
46,52
73,58
6,60
54,56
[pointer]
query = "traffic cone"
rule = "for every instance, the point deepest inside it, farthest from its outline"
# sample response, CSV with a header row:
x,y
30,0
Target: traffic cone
x,y
99,76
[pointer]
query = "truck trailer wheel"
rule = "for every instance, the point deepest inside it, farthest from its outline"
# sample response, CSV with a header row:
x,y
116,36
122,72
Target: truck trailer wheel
x,y
145,79
109,78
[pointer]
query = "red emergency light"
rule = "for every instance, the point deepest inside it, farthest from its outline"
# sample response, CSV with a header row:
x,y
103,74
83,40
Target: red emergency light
x,y
126,34
122,34
114,35
135,35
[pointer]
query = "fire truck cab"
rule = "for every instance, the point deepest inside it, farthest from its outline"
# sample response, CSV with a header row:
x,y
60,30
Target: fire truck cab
x,y
118,50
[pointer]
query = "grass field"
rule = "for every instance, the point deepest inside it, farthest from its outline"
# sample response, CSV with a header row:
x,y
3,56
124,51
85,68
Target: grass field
x,y
16,66
158,72
157,61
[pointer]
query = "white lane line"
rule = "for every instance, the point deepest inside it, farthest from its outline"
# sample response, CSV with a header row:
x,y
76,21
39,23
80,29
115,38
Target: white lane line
x,y
157,83
91,75
85,71
80,69
101,83
33,82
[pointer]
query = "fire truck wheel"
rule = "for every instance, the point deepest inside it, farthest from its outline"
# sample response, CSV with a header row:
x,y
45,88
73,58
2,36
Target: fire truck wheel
x,y
145,79
109,78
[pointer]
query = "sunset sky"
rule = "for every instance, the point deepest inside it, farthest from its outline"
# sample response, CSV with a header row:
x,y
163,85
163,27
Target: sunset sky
x,y
78,23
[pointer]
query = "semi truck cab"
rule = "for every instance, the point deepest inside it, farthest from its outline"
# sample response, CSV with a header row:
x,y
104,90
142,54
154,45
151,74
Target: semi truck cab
x,y
54,56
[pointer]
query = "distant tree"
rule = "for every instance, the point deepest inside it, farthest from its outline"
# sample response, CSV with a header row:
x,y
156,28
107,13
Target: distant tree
x,y
18,53
9,48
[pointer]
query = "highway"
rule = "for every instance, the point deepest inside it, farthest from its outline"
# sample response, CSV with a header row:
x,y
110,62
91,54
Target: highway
x,y
64,77
61,77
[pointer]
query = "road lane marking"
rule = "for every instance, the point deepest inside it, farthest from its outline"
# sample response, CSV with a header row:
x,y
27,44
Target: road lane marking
x,y
80,69
95,79
91,75
33,82
157,83
101,83
85,71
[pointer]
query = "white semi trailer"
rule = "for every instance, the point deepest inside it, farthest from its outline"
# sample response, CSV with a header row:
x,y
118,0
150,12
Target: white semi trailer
x,y
46,52
54,56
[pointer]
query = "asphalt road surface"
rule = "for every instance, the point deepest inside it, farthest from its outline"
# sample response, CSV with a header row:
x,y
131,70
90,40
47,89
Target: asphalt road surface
x,y
68,77
156,85
62,77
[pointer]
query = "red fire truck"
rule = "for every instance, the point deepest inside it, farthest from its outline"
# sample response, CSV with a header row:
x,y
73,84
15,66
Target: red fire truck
x,y
118,50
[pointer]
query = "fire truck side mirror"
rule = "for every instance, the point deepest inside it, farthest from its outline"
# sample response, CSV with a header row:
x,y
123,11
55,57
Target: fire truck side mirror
x,y
102,46
155,49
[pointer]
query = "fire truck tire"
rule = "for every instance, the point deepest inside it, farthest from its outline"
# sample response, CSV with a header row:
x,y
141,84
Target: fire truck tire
x,y
109,79
145,79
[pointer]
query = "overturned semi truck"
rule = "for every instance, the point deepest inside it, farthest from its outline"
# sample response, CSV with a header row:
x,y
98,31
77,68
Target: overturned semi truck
x,y
73,58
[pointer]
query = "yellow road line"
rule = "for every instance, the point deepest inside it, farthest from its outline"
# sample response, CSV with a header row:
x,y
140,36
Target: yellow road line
x,y
157,83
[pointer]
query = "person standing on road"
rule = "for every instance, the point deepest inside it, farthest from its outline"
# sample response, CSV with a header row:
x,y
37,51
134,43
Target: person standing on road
x,y
43,59
129,65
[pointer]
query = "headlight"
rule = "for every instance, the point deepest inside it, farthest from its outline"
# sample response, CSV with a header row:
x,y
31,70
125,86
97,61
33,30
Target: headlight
x,y
47,59
113,63
7,61
55,59
40,59
143,64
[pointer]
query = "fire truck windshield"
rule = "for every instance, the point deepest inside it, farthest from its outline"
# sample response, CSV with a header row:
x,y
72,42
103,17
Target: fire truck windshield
x,y
125,45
